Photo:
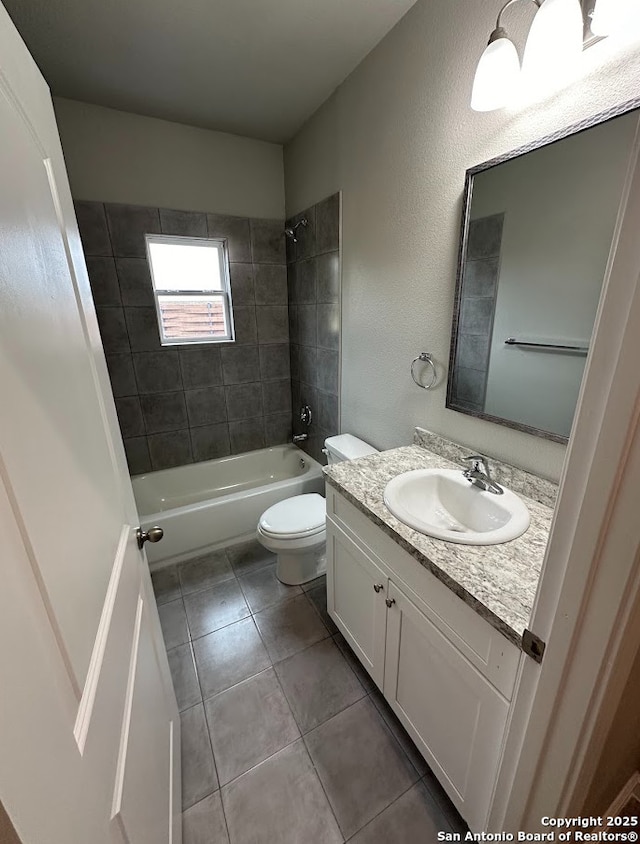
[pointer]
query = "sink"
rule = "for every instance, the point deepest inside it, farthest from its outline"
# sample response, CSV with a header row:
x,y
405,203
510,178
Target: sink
x,y
442,503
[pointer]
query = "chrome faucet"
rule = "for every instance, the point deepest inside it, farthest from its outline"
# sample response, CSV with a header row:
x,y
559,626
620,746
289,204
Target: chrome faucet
x,y
479,475
300,438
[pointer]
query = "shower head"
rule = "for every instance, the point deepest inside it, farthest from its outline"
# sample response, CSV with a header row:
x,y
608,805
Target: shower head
x,y
290,231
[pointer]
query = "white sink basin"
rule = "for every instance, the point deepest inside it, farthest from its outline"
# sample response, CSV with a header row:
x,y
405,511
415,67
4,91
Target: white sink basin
x,y
442,503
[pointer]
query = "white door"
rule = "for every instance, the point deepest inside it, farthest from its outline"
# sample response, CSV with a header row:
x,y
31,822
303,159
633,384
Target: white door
x,y
356,592
454,715
89,729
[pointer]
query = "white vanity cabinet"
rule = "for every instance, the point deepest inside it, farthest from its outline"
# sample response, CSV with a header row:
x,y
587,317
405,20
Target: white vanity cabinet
x,y
446,672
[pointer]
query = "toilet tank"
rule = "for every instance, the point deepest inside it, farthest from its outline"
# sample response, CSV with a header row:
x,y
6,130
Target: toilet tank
x,y
346,447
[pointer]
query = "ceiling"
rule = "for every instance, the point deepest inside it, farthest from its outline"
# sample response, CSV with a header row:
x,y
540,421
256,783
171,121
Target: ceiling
x,y
257,68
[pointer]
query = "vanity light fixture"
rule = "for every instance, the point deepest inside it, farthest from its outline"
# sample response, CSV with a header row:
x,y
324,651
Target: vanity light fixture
x,y
551,54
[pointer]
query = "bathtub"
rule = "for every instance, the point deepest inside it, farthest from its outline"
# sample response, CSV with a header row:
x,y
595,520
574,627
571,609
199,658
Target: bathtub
x,y
207,505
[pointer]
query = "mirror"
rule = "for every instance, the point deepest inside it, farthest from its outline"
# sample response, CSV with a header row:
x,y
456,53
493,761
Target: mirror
x,y
537,227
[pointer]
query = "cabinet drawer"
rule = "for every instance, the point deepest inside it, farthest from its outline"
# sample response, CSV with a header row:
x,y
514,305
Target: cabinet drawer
x,y
488,650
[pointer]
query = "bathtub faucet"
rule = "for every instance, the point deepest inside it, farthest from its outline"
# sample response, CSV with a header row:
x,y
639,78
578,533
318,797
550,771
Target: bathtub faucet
x,y
300,438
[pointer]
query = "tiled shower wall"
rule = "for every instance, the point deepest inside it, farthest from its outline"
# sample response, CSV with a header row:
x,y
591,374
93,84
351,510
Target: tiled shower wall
x,y
477,309
313,269
183,404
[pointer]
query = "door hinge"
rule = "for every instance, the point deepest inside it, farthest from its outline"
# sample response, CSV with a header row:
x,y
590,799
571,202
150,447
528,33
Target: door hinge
x,y
533,645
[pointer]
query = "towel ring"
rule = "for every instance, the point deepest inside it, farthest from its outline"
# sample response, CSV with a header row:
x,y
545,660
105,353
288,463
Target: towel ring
x,y
425,357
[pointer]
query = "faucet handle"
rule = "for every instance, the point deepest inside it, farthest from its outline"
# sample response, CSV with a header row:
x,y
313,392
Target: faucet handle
x,y
476,459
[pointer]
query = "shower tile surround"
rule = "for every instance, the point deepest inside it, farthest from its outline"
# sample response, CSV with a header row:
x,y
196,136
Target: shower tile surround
x,y
285,737
313,272
184,404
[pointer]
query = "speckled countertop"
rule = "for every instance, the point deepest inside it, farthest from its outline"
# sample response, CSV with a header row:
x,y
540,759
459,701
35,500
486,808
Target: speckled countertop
x,y
498,581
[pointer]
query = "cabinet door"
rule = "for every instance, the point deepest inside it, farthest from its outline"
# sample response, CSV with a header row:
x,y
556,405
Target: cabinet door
x,y
356,592
454,715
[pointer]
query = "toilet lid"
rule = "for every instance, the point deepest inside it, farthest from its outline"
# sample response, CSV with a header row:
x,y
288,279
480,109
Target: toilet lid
x,y
302,515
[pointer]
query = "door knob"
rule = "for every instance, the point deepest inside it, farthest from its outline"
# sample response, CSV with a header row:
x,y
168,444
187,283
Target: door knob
x,y
390,602
154,534
378,587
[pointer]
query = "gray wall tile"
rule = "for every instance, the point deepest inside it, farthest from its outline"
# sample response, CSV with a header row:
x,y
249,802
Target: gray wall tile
x,y
308,365
128,225
477,315
276,396
307,325
485,237
328,326
235,230
303,282
242,284
113,329
328,277
328,224
169,450
473,351
205,406
267,241
210,442
277,429
157,372
244,401
244,318
481,277
306,235
201,366
274,361
240,364
121,374
246,435
271,284
130,416
142,325
327,368
134,277
470,385
94,232
273,323
103,281
137,451
183,223
327,411
164,412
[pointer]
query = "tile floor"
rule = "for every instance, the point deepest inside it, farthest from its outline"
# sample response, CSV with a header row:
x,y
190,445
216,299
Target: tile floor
x,y
285,738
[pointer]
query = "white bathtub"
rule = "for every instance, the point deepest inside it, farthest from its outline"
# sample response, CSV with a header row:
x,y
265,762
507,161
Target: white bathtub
x,y
208,505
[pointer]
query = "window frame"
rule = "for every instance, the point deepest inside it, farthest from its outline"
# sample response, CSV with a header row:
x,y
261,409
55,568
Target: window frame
x,y
220,244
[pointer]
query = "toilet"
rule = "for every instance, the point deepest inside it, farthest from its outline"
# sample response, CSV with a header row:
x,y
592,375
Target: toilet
x,y
295,529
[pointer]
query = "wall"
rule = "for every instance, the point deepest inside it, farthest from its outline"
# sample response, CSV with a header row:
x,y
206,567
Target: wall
x,y
177,405
313,270
396,138
114,156
560,205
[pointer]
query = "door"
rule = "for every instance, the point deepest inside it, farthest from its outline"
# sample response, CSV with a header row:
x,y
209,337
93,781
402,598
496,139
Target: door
x,y
88,719
356,592
451,711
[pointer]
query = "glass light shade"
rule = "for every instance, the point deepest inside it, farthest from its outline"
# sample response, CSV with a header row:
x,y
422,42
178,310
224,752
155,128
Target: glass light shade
x,y
496,77
554,46
613,16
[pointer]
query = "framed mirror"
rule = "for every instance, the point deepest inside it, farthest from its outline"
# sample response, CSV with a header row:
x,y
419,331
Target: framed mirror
x,y
537,229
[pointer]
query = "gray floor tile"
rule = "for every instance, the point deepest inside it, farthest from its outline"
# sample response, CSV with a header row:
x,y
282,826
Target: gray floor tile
x,y
204,822
289,627
280,801
248,723
249,556
412,818
318,598
402,736
229,656
204,572
174,624
361,766
358,669
212,609
166,584
318,684
199,777
313,584
262,589
183,673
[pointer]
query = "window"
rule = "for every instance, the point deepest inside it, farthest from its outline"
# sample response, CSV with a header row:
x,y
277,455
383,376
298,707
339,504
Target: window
x,y
190,278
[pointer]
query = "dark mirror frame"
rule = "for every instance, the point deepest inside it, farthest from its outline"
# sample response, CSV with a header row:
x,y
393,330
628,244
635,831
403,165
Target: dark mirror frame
x,y
574,129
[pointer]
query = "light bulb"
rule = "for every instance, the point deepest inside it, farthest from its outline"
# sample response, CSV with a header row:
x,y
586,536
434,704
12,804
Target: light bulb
x,y
614,16
497,74
553,48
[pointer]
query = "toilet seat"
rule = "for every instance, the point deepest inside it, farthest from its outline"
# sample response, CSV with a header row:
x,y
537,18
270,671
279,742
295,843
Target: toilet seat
x,y
299,517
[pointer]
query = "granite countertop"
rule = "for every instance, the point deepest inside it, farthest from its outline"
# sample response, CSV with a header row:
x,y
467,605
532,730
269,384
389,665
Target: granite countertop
x,y
498,581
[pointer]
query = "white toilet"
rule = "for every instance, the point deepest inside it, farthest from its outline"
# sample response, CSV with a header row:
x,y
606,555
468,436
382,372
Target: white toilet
x,y
295,529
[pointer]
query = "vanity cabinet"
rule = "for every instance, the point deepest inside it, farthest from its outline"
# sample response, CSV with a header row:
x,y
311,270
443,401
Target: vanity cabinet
x,y
445,671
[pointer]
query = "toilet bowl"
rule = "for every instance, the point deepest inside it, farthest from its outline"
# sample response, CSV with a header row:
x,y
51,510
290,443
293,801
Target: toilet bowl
x,y
295,529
